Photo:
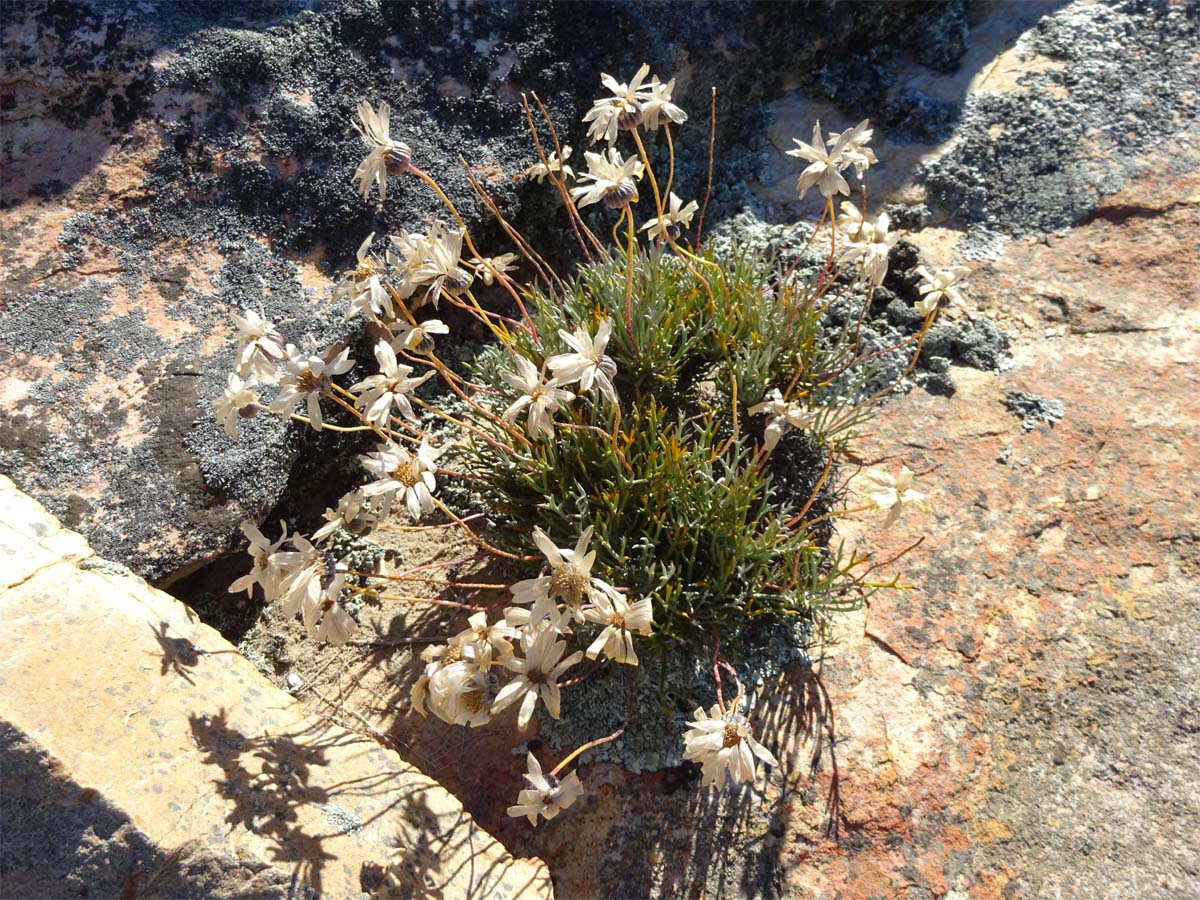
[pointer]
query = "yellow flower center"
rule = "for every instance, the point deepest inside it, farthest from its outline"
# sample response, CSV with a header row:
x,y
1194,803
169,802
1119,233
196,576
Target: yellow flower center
x,y
407,473
732,738
569,583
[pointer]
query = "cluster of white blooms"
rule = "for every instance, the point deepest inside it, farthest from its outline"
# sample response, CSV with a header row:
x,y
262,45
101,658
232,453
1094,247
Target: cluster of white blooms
x,y
539,398
631,105
305,580
461,683
523,655
829,158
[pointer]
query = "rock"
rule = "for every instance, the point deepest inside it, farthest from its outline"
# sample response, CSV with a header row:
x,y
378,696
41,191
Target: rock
x,y
168,163
1041,151
142,756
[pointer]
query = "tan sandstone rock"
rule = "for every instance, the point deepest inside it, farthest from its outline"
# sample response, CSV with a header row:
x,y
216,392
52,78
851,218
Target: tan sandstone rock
x,y
143,756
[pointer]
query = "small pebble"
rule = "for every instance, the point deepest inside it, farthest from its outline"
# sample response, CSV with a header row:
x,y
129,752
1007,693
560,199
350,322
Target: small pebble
x,y
294,682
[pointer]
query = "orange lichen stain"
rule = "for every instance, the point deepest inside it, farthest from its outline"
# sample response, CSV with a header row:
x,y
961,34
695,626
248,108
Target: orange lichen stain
x,y
310,269
303,98
992,831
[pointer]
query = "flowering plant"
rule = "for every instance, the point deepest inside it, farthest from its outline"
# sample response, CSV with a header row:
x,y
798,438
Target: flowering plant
x,y
662,427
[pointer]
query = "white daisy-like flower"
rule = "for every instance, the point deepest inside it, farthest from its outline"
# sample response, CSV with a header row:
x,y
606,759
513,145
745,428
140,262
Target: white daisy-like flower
x,y
485,644
237,401
656,105
386,157
893,493
613,180
379,394
539,398
439,659
365,288
548,618
724,745
673,220
781,416
871,252
399,471
352,514
851,224
307,378
553,163
546,796
854,146
587,363
621,620
439,269
489,267
825,166
570,579
270,563
537,677
333,624
316,579
623,110
260,346
939,289
416,338
463,695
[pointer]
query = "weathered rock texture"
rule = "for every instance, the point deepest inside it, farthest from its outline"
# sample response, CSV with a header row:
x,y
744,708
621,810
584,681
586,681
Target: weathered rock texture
x,y
143,757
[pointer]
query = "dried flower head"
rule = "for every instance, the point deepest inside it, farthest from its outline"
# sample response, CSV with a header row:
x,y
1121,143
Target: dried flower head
x,y
587,363
488,267
621,111
307,378
871,250
380,394
673,220
621,620
352,514
570,579
416,338
269,563
365,287
399,471
781,416
537,677
656,105
237,401
827,164
260,346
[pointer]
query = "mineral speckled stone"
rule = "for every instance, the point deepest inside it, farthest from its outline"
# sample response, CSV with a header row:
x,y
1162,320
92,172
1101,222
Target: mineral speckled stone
x,y
142,756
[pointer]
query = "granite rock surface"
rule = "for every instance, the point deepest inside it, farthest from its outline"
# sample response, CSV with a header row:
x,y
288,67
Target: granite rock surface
x,y
142,756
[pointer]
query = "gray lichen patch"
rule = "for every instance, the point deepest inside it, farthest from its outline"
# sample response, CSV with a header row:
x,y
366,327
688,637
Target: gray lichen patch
x,y
1033,409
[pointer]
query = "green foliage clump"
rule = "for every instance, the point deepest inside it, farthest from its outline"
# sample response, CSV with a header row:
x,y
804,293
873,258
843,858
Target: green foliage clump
x,y
686,505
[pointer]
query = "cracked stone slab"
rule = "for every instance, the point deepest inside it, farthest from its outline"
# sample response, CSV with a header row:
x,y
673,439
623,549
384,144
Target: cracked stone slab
x,y
141,755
